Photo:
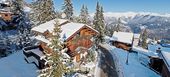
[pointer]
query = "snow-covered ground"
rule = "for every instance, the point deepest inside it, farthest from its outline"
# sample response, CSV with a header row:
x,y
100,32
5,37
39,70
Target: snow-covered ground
x,y
97,68
154,47
143,51
15,66
134,67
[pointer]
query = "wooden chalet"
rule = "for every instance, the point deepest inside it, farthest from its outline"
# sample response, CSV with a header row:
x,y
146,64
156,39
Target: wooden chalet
x,y
122,40
161,64
166,64
7,16
5,11
77,37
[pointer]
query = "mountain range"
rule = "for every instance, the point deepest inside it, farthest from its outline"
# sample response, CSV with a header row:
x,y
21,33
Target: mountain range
x,y
158,25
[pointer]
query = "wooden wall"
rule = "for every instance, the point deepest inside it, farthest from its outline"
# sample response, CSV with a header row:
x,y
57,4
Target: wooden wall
x,y
165,71
46,48
122,45
81,38
6,16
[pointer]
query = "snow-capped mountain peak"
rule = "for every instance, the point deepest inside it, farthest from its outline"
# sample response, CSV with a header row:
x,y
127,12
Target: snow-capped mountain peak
x,y
132,14
155,22
120,14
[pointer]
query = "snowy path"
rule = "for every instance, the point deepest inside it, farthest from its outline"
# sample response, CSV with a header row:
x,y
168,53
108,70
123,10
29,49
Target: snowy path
x,y
106,64
134,67
15,66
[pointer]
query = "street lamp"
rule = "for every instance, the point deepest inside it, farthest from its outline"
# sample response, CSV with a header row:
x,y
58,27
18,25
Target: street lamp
x,y
127,62
127,58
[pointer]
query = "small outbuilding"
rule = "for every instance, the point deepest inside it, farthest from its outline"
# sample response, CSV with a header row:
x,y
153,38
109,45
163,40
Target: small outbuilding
x,y
122,40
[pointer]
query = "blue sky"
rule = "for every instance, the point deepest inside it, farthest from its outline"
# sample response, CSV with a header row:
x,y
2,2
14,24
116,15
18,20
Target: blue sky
x,y
156,6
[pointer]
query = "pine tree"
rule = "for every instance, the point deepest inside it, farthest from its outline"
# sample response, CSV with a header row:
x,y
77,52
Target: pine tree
x,y
43,10
23,22
117,26
96,17
56,68
99,23
84,15
68,9
144,38
17,6
102,23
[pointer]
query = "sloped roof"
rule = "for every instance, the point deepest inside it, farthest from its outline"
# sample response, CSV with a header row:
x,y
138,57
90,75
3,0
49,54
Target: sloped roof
x,y
42,38
67,29
48,25
70,28
124,37
4,2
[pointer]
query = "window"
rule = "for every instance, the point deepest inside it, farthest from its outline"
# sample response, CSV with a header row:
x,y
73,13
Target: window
x,y
78,33
6,14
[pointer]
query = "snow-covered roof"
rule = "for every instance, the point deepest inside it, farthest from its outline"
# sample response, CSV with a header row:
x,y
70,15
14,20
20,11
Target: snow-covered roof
x,y
38,52
67,29
166,58
124,37
48,25
144,51
70,28
137,36
5,11
4,2
42,38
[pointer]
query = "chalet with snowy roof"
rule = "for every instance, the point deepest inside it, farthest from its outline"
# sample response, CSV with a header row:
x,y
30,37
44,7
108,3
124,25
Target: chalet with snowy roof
x,y
5,11
77,37
122,40
7,16
161,64
165,56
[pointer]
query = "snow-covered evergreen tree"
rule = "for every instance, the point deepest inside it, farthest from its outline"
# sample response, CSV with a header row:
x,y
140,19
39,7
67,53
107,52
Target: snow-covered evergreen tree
x,y
68,9
144,38
23,23
102,23
56,68
117,26
84,15
98,23
58,14
43,10
17,6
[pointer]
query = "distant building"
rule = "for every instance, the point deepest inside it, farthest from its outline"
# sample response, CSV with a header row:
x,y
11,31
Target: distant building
x,y
7,16
5,11
162,64
166,64
136,39
122,40
78,37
